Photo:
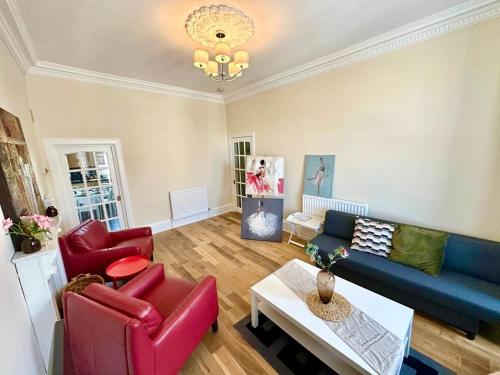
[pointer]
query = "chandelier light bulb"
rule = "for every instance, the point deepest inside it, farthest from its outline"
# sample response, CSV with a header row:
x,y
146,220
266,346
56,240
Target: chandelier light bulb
x,y
212,69
241,59
222,53
200,59
234,71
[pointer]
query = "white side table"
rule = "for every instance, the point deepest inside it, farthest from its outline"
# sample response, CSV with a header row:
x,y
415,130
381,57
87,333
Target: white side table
x,y
314,224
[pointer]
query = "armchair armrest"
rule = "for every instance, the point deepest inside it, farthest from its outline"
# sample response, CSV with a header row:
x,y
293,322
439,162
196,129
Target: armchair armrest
x,y
129,234
146,280
96,261
191,318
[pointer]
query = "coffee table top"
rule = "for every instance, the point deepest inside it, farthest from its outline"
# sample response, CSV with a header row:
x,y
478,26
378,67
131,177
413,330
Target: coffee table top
x,y
127,267
393,316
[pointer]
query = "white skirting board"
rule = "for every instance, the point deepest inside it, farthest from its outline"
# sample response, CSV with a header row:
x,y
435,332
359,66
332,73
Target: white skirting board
x,y
167,224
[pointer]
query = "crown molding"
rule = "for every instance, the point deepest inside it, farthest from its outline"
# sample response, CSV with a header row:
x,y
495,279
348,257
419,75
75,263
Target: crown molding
x,y
23,30
48,69
11,35
463,15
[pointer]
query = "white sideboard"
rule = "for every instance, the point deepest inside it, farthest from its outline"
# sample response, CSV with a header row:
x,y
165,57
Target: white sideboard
x,y
42,275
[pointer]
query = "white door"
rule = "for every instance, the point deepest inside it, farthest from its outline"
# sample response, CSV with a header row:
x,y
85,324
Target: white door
x,y
241,147
91,185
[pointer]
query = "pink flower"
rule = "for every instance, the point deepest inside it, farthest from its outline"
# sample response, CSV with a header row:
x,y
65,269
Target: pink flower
x,y
42,221
344,253
7,223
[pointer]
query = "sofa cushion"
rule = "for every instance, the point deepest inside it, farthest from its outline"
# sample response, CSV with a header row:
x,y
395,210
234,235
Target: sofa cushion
x,y
92,235
470,296
474,257
339,224
372,236
418,247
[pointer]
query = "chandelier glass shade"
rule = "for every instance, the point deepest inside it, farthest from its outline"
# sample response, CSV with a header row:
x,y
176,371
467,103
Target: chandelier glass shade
x,y
220,28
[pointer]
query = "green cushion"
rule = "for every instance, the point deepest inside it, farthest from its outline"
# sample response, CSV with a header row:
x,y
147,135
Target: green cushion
x,y
419,248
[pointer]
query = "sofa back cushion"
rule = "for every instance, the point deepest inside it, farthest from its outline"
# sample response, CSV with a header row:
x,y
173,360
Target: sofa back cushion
x,y
420,248
92,235
339,224
372,236
474,257
130,306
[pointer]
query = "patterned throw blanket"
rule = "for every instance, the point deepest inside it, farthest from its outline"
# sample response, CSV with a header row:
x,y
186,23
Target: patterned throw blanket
x,y
372,342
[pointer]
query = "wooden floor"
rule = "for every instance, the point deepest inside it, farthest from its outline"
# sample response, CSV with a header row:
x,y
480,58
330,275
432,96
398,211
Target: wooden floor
x,y
214,247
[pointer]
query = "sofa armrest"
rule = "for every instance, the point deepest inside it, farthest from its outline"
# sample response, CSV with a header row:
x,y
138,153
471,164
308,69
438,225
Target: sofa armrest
x,y
146,280
129,234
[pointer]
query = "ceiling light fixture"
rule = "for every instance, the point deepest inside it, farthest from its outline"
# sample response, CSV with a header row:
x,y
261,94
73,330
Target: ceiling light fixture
x,y
220,28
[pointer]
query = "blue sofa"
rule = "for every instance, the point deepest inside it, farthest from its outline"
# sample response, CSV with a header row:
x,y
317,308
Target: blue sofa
x,y
466,292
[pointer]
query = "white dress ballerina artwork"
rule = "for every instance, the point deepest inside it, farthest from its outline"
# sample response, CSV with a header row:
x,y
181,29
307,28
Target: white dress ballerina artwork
x,y
262,219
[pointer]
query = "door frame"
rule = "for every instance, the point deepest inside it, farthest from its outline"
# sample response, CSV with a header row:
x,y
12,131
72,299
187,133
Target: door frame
x,y
250,135
52,146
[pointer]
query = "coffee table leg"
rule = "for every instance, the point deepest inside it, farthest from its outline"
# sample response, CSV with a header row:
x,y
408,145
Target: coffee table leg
x,y
408,338
254,303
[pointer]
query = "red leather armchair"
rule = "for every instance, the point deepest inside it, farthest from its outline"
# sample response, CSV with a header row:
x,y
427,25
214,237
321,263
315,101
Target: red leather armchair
x,y
90,248
149,326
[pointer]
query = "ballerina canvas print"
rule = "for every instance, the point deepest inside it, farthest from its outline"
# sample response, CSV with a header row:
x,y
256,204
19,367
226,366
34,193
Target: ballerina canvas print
x,y
265,176
262,219
318,175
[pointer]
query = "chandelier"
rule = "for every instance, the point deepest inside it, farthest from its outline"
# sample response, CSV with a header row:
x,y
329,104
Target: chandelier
x,y
220,28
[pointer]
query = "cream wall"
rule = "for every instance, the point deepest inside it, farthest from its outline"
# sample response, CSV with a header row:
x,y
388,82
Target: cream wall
x,y
416,132
18,351
168,142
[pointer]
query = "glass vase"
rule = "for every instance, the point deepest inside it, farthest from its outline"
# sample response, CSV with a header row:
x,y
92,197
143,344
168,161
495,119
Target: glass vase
x,y
325,282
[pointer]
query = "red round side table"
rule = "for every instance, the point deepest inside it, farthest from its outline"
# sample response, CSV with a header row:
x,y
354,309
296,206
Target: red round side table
x,y
126,268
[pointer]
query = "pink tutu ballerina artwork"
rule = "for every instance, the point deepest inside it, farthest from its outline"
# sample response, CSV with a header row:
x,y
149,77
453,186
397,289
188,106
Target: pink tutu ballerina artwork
x,y
264,176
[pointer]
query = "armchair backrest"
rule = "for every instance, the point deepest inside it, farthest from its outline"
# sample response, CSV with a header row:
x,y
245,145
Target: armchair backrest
x,y
91,235
109,340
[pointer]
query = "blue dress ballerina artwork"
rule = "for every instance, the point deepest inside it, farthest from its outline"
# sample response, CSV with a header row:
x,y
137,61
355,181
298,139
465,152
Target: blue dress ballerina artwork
x,y
318,175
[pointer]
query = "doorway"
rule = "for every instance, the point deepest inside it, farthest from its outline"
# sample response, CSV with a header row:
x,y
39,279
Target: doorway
x,y
90,185
241,146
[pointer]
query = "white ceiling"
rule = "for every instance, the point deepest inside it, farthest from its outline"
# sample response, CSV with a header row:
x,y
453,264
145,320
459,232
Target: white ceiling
x,y
146,39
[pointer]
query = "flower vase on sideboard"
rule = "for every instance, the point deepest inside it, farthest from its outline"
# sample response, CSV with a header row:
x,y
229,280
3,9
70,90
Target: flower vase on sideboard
x,y
30,245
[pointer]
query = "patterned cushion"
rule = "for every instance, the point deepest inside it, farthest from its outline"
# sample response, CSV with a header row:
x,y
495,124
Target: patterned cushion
x,y
372,236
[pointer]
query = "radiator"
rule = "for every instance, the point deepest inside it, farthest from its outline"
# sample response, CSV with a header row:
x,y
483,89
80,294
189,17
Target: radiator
x,y
317,206
189,202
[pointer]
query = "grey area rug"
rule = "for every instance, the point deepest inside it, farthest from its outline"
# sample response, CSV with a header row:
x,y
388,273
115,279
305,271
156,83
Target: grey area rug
x,y
288,357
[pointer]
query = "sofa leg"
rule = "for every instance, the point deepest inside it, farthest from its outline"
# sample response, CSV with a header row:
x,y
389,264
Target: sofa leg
x,y
470,335
215,326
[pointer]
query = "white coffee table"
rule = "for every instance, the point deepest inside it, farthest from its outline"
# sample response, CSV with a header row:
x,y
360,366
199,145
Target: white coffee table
x,y
284,308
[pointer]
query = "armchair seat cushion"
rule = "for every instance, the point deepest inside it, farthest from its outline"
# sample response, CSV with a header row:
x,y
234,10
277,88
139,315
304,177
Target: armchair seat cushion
x,y
167,295
470,295
144,244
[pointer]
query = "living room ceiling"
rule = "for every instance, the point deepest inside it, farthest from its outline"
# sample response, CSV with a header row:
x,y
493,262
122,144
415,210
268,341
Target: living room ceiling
x,y
146,39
